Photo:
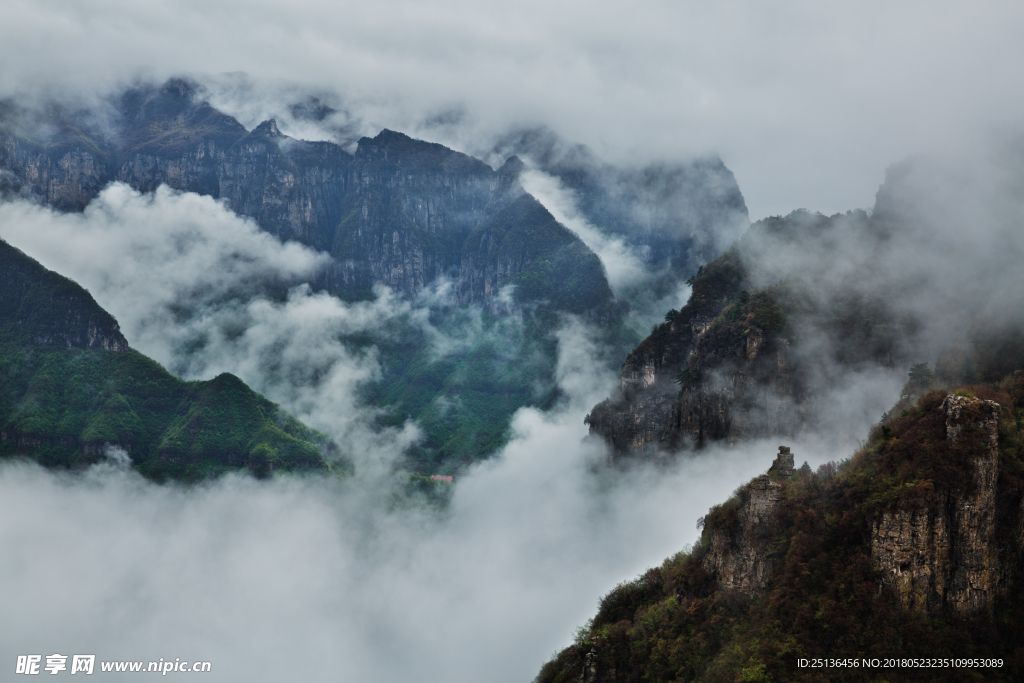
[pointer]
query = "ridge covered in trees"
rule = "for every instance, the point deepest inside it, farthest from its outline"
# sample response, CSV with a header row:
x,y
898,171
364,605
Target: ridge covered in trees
x,y
825,595
72,389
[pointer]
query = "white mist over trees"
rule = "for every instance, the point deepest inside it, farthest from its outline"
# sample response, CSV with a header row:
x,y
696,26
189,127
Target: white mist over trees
x,y
307,579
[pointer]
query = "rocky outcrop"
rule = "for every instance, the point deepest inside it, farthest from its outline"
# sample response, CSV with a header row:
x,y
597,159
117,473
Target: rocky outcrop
x,y
66,174
940,556
709,373
737,549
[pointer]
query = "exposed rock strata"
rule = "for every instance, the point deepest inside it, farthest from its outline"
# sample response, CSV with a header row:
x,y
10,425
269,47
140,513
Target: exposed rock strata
x,y
941,556
738,549
399,212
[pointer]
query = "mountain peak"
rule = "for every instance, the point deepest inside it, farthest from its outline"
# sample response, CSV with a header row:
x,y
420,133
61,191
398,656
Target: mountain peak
x,y
183,88
512,167
269,128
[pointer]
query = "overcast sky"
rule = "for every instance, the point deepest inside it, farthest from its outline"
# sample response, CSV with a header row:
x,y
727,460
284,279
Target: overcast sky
x,y
807,102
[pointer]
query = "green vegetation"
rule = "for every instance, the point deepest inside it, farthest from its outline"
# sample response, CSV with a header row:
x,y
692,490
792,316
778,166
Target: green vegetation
x,y
71,388
715,284
823,597
464,398
62,406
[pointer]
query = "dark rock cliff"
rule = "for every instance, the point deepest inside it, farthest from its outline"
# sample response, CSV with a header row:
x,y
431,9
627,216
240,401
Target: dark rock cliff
x,y
941,554
399,212
742,359
739,551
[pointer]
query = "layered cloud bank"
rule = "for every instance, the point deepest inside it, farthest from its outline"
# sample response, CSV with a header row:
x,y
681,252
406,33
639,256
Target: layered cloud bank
x,y
317,578
806,103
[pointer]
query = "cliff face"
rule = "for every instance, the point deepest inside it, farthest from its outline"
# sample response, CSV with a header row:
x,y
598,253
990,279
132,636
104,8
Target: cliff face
x,y
739,550
411,208
941,555
66,174
399,212
912,548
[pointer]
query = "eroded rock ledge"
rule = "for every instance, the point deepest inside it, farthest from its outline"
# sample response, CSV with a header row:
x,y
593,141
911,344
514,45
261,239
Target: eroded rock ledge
x,y
738,546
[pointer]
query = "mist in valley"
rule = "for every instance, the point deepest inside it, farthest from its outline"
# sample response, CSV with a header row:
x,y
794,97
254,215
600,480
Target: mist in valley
x,y
316,577
311,576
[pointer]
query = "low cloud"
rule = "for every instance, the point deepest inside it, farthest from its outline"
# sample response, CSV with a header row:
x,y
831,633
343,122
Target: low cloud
x,y
307,579
628,275
807,104
313,578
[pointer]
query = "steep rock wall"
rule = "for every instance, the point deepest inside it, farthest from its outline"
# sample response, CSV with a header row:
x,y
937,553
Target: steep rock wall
x,y
941,556
66,174
701,377
399,212
738,548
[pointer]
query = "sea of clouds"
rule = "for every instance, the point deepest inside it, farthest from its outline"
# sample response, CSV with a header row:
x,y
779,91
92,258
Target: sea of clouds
x,y
304,579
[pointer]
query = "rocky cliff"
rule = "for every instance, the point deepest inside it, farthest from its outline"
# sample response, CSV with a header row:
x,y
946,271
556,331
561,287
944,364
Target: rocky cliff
x,y
399,212
940,554
739,550
912,548
761,332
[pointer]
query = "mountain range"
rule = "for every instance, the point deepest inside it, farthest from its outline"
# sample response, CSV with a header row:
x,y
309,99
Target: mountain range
x,y
410,215
910,548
